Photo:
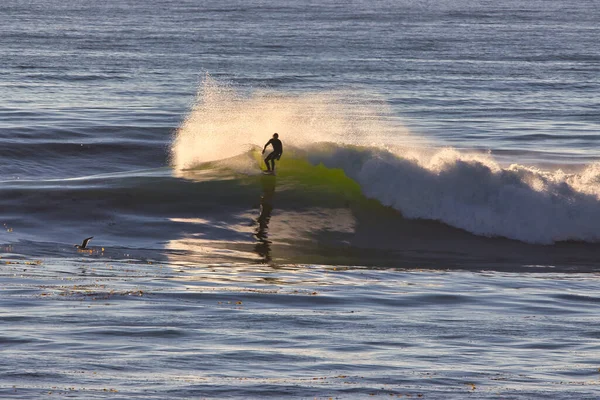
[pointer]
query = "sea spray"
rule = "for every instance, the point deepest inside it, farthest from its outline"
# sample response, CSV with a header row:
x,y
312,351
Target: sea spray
x,y
224,123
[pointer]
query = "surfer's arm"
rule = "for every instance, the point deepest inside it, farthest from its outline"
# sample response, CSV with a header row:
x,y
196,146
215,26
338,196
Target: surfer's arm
x,y
268,143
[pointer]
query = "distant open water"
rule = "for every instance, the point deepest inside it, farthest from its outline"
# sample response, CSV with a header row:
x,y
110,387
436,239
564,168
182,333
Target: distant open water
x,y
442,244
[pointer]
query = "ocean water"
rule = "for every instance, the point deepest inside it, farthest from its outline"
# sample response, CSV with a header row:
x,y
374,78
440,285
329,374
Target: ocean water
x,y
432,232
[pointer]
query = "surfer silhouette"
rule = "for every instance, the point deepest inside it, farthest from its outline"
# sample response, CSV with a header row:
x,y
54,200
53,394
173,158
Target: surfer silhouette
x,y
275,154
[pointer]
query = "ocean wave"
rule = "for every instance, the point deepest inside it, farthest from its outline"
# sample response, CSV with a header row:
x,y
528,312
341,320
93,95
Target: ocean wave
x,y
474,193
308,213
471,192
465,190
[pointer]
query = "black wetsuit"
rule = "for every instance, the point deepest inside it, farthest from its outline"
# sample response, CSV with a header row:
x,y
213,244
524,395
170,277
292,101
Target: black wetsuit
x,y
275,155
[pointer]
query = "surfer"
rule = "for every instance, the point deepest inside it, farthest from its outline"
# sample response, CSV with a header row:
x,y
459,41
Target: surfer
x,y
276,154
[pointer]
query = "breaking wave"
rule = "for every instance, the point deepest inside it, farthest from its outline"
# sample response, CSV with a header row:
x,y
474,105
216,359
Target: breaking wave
x,y
465,190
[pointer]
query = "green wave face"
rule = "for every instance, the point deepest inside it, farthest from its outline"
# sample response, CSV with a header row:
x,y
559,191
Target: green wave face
x,y
296,178
300,173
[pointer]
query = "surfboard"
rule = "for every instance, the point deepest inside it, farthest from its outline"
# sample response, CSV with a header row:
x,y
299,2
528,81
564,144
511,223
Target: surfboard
x,y
268,172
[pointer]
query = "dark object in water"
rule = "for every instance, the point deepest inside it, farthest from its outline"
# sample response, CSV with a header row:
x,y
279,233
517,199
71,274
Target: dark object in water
x,y
83,244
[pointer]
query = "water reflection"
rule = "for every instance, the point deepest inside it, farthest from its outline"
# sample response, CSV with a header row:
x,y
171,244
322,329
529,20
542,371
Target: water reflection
x,y
263,247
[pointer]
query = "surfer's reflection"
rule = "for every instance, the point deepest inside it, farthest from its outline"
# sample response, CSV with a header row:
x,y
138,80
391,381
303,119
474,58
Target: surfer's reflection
x,y
263,247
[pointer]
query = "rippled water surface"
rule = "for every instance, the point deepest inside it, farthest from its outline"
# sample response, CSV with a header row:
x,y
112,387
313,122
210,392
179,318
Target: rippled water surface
x,y
432,232
92,328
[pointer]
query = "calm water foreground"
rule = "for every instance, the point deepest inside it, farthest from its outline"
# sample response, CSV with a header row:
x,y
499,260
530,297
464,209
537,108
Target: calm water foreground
x,y
93,327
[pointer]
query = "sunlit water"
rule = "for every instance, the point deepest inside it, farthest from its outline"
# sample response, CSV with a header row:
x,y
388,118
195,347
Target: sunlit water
x,y
443,243
85,328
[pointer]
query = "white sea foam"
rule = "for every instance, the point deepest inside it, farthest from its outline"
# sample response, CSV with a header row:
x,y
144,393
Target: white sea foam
x,y
475,193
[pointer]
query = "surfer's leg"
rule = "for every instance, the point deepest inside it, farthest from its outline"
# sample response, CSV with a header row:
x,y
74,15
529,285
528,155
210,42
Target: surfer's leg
x,y
273,164
270,158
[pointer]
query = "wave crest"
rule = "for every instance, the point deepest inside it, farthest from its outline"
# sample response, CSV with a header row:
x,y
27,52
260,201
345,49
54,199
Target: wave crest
x,y
474,193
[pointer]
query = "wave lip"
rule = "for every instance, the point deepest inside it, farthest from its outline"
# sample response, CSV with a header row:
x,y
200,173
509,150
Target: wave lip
x,y
474,193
